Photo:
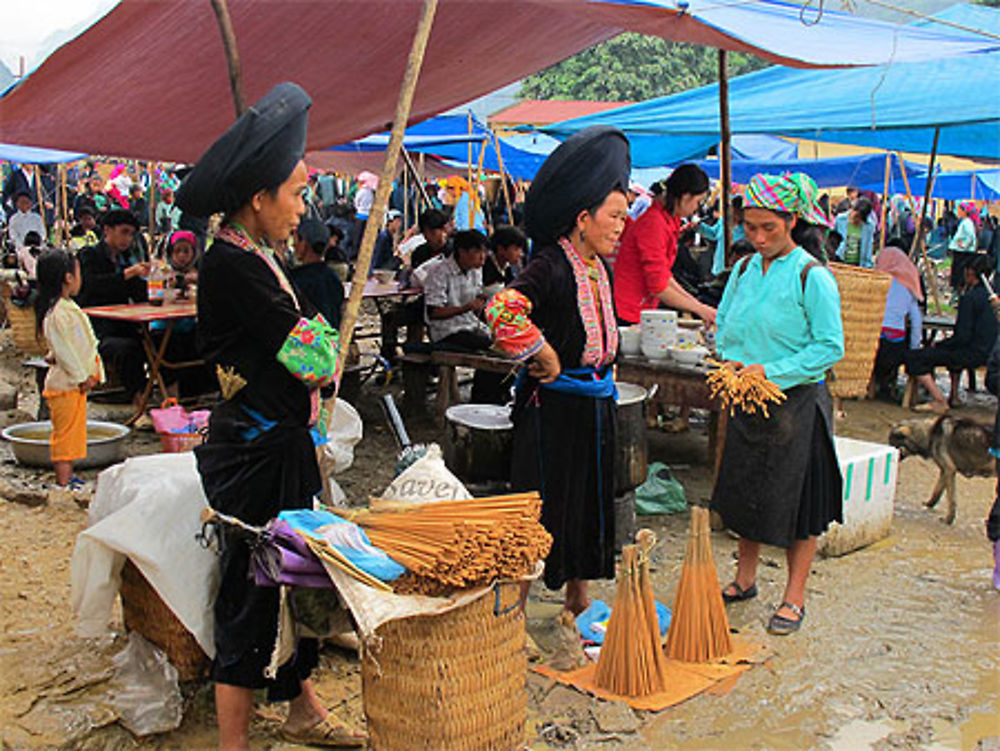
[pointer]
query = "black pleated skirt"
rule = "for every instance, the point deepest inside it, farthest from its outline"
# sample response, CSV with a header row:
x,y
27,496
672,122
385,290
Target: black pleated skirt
x,y
780,479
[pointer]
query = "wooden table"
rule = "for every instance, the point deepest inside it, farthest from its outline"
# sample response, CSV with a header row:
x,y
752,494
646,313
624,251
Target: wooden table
x,y
678,385
935,326
143,314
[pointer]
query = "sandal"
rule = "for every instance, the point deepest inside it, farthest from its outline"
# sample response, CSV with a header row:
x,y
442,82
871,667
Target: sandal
x,y
328,733
930,407
781,626
739,594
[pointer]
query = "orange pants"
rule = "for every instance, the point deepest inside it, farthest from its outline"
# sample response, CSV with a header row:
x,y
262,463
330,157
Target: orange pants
x,y
69,425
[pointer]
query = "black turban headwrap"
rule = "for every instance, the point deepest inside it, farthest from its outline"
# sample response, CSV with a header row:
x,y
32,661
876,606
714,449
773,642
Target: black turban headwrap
x,y
579,174
259,151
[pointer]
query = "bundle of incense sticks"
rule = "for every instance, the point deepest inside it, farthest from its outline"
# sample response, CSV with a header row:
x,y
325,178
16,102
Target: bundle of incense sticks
x,y
457,544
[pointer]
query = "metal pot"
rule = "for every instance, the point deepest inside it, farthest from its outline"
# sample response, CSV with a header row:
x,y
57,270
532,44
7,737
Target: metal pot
x,y
30,442
632,452
479,442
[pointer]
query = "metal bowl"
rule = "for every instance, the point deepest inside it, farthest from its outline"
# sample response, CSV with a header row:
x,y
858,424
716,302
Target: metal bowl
x,y
30,443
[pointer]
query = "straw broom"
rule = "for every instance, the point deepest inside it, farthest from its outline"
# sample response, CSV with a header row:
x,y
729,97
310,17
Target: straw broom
x,y
699,630
632,662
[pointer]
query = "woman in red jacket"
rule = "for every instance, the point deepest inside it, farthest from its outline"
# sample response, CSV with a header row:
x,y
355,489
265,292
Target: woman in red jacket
x,y
644,269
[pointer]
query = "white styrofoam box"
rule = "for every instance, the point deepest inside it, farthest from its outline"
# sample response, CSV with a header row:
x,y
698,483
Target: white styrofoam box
x,y
869,471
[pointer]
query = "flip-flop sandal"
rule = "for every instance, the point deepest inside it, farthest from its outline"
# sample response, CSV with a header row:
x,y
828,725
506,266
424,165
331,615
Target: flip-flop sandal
x,y
740,594
930,407
327,733
781,626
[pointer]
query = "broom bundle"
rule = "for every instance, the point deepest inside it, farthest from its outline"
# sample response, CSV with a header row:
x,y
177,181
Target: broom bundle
x,y
632,662
457,544
699,630
749,391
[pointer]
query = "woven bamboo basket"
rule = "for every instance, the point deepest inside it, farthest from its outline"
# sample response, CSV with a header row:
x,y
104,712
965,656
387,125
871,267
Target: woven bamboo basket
x,y
449,682
147,614
22,328
862,307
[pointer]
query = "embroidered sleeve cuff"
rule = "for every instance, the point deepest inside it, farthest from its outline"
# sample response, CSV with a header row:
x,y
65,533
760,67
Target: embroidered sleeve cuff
x,y
310,352
513,331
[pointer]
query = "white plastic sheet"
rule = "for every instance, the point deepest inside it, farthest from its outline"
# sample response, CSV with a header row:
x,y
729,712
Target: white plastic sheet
x,y
147,509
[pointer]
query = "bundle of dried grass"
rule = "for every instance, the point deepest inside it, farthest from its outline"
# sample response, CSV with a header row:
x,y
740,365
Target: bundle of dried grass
x,y
632,662
746,390
699,630
457,544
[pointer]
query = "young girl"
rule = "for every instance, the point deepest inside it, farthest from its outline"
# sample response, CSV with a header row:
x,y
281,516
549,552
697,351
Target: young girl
x,y
75,365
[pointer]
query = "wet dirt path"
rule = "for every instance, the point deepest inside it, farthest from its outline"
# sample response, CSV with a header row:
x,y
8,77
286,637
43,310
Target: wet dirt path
x,y
900,649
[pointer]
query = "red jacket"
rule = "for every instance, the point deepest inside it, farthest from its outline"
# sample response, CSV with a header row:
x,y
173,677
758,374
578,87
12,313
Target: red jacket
x,y
645,262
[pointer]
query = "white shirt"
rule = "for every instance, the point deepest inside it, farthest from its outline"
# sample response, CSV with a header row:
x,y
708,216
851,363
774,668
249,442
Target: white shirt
x,y
446,285
23,222
363,201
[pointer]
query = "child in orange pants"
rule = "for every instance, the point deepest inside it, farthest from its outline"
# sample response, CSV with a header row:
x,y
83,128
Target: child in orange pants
x,y
75,367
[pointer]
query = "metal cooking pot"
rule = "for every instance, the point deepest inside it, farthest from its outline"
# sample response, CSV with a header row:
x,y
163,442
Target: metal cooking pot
x,y
479,442
632,452
30,443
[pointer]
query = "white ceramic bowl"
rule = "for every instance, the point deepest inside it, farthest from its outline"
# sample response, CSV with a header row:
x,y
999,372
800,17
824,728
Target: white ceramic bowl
x,y
656,351
688,355
631,340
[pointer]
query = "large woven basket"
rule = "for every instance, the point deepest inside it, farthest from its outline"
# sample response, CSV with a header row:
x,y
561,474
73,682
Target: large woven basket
x,y
147,614
862,307
22,328
450,682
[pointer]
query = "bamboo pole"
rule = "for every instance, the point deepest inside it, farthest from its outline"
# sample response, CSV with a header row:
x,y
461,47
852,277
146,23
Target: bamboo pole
x,y
151,206
232,54
503,180
416,176
885,196
474,195
41,202
472,212
918,236
406,198
363,262
725,153
65,204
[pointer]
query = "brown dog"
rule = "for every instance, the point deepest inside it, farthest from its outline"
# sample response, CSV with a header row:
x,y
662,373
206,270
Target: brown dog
x,y
955,444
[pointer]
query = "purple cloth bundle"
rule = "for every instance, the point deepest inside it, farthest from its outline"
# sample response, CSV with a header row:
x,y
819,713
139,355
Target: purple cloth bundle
x,y
282,558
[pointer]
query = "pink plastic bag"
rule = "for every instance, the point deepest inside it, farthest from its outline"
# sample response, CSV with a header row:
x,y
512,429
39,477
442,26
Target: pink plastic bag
x,y
173,418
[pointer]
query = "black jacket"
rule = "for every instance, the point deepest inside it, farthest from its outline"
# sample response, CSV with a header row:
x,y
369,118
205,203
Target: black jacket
x,y
104,283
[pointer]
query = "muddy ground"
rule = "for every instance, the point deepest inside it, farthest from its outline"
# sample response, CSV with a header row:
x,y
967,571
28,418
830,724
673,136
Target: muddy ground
x,y
899,650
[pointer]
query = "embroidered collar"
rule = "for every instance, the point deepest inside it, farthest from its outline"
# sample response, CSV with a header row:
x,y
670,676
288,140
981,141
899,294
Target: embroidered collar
x,y
601,346
234,234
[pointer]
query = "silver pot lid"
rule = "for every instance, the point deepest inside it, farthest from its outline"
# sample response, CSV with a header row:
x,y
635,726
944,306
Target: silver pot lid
x,y
480,416
630,393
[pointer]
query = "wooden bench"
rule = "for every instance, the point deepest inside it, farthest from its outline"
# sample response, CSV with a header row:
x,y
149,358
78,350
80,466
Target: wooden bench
x,y
416,371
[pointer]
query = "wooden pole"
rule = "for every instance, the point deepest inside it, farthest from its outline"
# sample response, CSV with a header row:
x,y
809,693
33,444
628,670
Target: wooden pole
x,y
918,236
725,153
474,195
363,262
503,180
417,178
65,204
232,54
406,198
885,195
151,205
41,202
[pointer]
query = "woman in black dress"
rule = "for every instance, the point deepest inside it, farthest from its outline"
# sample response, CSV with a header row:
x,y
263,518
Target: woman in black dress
x,y
559,315
272,352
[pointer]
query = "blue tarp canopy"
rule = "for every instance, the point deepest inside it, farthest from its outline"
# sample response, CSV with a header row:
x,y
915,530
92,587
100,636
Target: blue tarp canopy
x,y
828,173
892,107
10,152
448,137
982,185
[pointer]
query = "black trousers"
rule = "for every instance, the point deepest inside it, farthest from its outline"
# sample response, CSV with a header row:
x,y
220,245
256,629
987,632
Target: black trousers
x,y
127,357
487,387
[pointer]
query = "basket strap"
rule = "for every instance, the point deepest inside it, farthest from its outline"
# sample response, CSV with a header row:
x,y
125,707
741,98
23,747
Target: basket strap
x,y
497,611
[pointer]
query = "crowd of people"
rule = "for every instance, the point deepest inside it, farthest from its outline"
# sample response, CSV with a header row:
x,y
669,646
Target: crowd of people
x,y
548,281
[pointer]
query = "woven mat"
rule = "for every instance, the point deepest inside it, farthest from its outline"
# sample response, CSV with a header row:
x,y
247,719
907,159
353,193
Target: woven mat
x,y
684,679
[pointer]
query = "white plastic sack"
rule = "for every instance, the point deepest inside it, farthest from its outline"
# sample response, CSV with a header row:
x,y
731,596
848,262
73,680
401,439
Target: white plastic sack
x,y
147,509
426,480
344,431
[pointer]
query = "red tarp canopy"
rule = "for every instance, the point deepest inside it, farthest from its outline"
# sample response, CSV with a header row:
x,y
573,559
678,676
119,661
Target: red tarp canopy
x,y
149,80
